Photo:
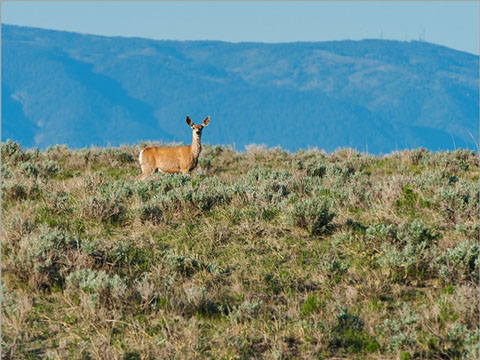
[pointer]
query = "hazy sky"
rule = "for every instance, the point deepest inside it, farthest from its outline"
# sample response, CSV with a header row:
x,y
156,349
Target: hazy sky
x,y
451,23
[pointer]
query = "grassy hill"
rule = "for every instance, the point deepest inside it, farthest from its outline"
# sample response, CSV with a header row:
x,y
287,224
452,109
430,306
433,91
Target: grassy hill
x,y
264,254
376,96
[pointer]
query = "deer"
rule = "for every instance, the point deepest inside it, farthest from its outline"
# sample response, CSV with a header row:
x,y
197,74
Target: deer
x,y
175,160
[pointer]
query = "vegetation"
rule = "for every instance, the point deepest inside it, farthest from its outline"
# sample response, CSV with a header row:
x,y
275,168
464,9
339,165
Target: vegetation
x,y
264,254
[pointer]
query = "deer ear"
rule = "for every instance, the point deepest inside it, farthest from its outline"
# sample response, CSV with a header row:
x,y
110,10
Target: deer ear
x,y
189,121
206,121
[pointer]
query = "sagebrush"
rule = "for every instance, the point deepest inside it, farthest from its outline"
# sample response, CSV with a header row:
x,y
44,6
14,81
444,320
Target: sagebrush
x,y
264,254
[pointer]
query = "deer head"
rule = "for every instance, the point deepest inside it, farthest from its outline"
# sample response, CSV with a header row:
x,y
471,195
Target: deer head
x,y
197,129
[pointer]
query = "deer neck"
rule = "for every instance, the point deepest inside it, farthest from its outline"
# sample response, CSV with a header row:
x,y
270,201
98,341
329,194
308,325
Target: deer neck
x,y
196,146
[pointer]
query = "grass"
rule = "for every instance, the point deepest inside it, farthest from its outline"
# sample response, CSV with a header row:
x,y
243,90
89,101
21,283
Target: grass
x,y
264,254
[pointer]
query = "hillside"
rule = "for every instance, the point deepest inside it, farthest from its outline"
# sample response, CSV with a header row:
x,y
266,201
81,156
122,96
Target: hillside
x,y
81,90
264,254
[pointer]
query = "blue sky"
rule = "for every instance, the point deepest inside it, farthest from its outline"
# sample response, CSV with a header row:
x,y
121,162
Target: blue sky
x,y
451,23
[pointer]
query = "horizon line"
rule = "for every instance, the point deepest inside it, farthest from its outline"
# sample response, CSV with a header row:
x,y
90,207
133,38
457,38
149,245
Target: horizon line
x,y
237,42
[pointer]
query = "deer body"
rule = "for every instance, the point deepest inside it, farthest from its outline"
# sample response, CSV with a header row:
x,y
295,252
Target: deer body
x,y
181,159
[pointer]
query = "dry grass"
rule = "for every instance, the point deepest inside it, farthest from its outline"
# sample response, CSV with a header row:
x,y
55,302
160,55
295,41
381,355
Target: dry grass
x,y
264,254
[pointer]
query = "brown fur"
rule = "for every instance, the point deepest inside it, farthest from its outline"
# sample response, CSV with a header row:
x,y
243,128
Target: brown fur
x,y
181,159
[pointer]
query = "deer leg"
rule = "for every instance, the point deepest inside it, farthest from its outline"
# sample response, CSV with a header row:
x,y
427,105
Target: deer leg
x,y
145,172
141,177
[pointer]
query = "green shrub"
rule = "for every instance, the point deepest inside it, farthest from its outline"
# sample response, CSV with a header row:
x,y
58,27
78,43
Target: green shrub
x,y
9,148
417,156
130,257
460,200
9,306
271,186
341,172
43,169
246,310
309,186
151,212
382,232
399,334
470,344
120,156
406,262
108,203
348,335
184,265
106,209
314,166
334,265
20,191
102,289
161,185
312,214
415,233
459,160
459,263
41,257
210,192
409,253
60,203
198,301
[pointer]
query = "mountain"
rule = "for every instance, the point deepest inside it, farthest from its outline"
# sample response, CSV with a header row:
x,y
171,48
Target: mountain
x,y
377,95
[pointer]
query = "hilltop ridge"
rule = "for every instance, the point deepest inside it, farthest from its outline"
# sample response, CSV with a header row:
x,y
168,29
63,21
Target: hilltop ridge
x,y
68,88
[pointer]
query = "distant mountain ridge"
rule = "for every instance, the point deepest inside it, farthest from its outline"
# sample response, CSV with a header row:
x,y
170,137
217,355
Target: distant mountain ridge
x,y
67,88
